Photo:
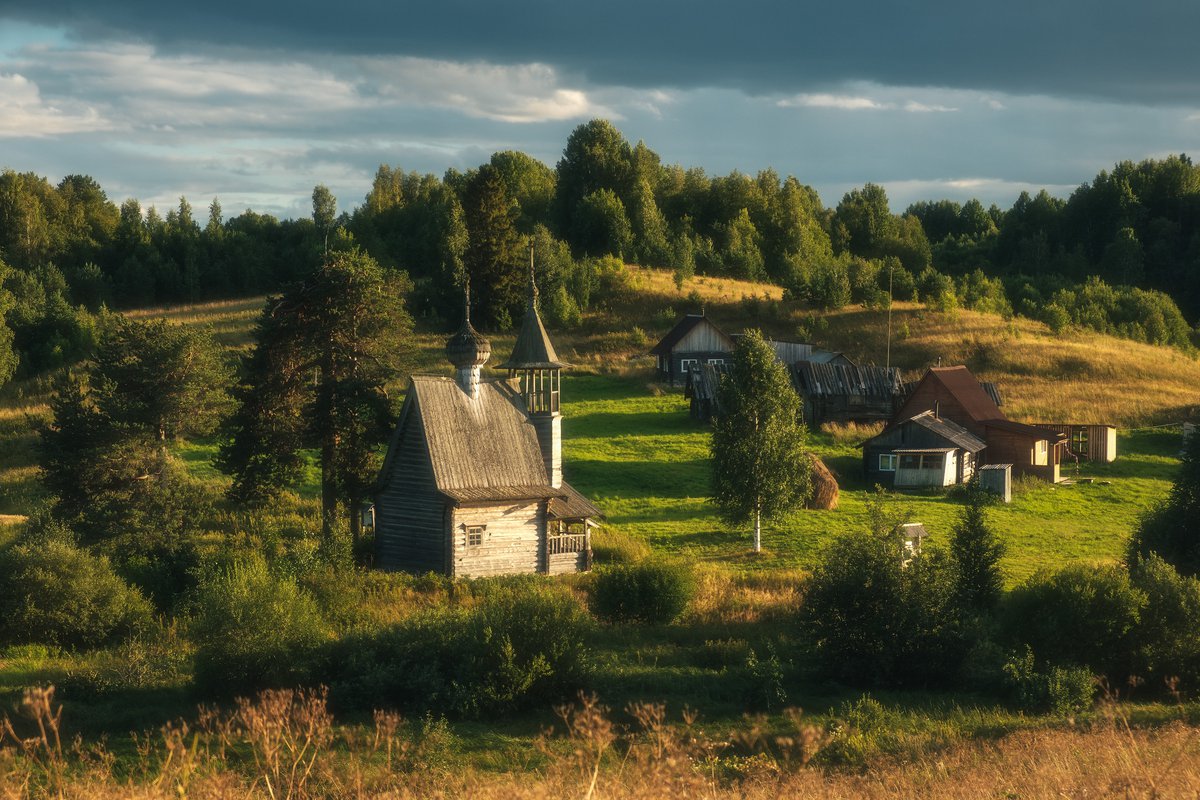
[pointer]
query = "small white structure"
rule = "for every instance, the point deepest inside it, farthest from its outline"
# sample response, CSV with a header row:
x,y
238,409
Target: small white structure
x,y
914,534
932,466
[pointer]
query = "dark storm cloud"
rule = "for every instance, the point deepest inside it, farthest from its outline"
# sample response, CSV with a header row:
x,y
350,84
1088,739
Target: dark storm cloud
x,y
1135,52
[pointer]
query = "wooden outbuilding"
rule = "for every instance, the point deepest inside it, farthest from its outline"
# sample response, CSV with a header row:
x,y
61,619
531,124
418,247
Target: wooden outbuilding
x,y
832,392
1088,442
924,451
472,482
694,340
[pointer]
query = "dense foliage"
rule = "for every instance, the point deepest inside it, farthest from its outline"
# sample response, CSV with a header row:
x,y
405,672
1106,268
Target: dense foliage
x,y
1169,531
652,591
253,630
56,593
523,644
1120,255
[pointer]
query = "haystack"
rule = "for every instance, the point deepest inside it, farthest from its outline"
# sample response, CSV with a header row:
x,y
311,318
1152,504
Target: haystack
x,y
825,488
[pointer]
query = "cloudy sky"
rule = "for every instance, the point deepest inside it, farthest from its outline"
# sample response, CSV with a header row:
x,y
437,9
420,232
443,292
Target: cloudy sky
x,y
256,102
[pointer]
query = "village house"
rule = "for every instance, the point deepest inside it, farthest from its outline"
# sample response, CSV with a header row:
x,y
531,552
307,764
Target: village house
x,y
472,483
954,394
922,451
696,341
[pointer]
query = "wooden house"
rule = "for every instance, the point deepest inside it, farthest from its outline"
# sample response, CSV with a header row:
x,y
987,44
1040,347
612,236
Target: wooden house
x,y
693,341
922,451
472,482
954,394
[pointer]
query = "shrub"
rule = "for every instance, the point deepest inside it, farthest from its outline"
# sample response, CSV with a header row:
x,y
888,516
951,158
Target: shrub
x,y
1169,632
763,688
1080,616
873,621
649,591
1055,690
522,645
253,630
54,593
611,545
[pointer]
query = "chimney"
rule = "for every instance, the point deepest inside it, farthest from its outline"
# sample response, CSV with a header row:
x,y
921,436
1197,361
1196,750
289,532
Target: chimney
x,y
937,409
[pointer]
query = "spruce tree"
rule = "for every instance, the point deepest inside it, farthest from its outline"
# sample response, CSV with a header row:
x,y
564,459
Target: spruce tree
x,y
1171,529
977,552
760,467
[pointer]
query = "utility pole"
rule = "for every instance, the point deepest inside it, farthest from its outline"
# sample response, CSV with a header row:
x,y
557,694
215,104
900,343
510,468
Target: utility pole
x,y
888,363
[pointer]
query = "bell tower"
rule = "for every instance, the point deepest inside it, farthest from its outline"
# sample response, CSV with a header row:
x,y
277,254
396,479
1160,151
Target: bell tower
x,y
535,369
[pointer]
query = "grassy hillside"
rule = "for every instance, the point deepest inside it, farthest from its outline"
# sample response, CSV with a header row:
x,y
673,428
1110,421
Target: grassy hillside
x,y
630,443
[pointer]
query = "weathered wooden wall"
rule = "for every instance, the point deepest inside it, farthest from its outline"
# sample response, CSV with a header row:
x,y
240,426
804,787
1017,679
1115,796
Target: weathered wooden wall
x,y
410,514
511,544
1010,448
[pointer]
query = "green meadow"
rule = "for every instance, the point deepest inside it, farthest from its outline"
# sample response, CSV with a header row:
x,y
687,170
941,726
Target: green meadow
x,y
645,461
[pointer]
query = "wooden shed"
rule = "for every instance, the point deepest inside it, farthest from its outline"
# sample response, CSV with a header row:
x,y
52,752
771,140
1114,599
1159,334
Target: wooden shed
x,y
1087,442
694,340
838,393
472,482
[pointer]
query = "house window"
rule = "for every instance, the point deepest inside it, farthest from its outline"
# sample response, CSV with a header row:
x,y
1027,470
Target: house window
x,y
475,535
717,361
686,365
887,462
1039,453
910,461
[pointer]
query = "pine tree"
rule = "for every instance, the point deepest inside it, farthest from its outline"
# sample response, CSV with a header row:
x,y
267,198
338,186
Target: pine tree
x,y
346,324
976,551
760,467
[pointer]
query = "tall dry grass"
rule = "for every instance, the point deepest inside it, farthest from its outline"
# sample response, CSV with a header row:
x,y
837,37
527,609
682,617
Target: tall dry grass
x,y
284,744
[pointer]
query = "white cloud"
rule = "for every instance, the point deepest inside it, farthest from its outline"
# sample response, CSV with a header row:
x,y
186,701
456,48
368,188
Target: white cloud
x,y
844,102
520,93
914,107
23,112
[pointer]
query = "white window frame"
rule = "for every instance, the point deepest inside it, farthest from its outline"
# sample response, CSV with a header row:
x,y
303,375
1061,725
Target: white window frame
x,y
885,458
716,361
686,364
478,531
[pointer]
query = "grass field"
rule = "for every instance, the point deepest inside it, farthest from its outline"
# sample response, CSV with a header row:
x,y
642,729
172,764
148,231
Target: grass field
x,y
631,445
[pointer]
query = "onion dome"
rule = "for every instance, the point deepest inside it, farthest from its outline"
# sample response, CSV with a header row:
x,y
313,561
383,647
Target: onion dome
x,y
468,347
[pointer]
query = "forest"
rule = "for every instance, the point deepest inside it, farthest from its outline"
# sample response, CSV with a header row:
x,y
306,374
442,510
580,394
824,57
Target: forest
x,y
1121,255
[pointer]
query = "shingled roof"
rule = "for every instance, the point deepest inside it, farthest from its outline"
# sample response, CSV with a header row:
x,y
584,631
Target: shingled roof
x,y
482,449
533,349
950,431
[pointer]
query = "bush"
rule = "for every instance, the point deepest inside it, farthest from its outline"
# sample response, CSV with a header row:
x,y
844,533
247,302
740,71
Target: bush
x,y
522,645
873,621
1055,690
253,630
649,591
54,593
1169,633
1081,616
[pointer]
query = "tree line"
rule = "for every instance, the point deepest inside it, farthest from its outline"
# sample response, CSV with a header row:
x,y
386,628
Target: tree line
x,y
1121,254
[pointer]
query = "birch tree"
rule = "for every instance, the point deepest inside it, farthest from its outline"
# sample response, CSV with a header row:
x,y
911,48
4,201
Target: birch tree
x,y
760,465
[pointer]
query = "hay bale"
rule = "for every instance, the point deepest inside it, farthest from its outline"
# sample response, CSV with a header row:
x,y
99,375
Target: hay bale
x,y
825,487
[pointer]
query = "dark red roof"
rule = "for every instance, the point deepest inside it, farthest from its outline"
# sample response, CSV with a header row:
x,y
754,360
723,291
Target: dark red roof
x,y
1021,429
966,390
